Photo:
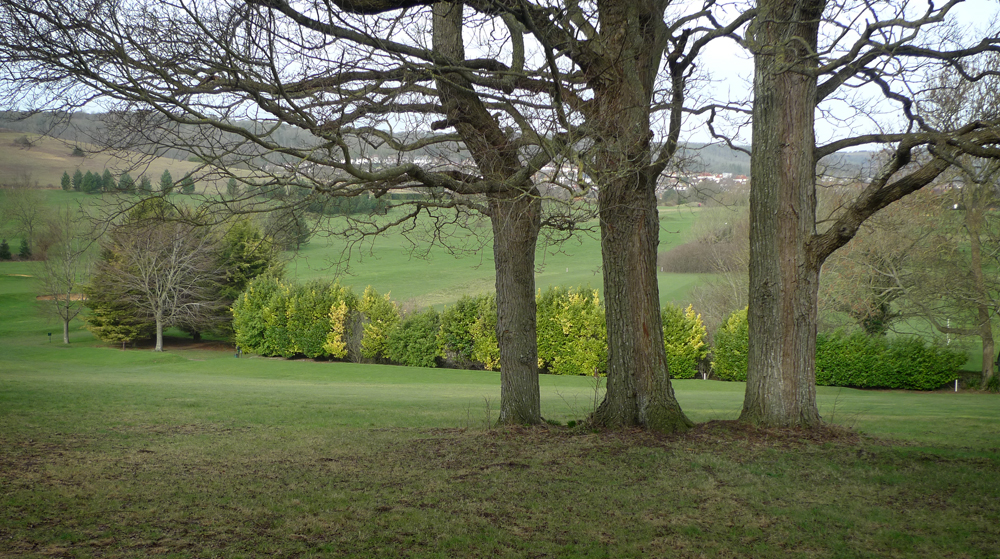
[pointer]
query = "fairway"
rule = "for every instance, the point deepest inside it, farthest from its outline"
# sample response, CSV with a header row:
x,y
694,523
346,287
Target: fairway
x,y
195,453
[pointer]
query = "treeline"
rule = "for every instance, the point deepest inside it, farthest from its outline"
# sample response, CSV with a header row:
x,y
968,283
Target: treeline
x,y
327,320
94,183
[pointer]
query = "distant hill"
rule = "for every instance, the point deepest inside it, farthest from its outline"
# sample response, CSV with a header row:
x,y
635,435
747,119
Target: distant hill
x,y
720,158
42,160
86,129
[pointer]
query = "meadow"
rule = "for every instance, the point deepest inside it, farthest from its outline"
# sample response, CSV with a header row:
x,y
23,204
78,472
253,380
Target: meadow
x,y
195,453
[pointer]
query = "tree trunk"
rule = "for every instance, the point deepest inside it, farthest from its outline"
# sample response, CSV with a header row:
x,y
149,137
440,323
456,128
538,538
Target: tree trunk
x,y
639,391
65,330
159,333
784,272
516,223
516,218
974,225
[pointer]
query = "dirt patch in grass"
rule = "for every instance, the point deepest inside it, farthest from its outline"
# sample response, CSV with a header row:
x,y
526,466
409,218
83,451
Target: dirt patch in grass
x,y
72,297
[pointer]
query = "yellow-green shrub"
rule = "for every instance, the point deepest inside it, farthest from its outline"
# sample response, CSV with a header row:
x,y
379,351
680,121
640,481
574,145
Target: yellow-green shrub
x,y
572,336
729,357
485,348
684,340
381,315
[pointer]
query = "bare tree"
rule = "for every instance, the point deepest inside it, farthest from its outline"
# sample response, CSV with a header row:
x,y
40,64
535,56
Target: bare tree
x,y
65,268
809,59
167,271
24,210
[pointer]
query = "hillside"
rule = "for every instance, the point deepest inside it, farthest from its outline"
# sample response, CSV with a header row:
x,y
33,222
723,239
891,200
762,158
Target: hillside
x,y
43,162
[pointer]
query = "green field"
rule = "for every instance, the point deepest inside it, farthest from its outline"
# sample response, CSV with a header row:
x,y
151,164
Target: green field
x,y
193,453
422,276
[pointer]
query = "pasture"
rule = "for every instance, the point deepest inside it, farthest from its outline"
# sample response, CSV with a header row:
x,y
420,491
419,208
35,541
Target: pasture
x,y
194,453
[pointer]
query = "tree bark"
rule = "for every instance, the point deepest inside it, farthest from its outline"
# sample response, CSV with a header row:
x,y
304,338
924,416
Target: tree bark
x,y
65,331
974,220
159,333
516,223
639,392
784,271
516,219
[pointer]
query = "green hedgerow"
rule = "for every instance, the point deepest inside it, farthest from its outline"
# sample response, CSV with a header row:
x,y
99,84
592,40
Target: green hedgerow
x,y
732,340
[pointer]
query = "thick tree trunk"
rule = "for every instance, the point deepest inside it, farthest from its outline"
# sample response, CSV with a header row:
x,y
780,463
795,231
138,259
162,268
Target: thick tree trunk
x,y
639,391
784,272
66,330
516,223
516,218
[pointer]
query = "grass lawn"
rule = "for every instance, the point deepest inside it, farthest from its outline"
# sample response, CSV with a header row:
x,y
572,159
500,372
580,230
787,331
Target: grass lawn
x,y
434,277
193,453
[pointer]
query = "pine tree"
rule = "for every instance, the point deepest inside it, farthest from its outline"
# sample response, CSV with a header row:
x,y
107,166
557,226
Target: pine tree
x,y
77,180
232,188
91,183
187,185
108,182
67,183
4,250
25,251
166,182
145,185
125,183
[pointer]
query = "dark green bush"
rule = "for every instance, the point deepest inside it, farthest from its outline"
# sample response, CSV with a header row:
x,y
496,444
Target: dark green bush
x,y
862,361
414,340
455,336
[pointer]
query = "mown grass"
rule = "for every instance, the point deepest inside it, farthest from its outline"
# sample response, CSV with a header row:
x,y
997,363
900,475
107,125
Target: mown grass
x,y
193,453
421,276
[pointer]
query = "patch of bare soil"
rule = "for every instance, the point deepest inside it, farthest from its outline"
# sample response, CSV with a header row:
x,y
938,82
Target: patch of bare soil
x,y
72,297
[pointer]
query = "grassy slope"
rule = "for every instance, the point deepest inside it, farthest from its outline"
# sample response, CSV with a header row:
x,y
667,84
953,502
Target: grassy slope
x,y
438,278
192,453
46,161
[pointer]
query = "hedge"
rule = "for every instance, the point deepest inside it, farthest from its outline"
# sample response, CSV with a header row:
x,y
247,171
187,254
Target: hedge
x,y
684,340
855,360
864,361
326,320
572,335
729,357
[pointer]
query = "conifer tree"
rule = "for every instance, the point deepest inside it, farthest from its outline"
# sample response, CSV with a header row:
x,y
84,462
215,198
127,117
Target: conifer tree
x,y
166,182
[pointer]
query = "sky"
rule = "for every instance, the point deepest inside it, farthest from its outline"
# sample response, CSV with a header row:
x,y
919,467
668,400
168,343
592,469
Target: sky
x,y
731,69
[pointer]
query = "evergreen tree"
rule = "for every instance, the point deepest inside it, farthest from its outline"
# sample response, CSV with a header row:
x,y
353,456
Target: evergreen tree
x,y
91,183
67,182
166,182
4,250
108,182
145,185
77,180
125,183
232,188
25,251
187,185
